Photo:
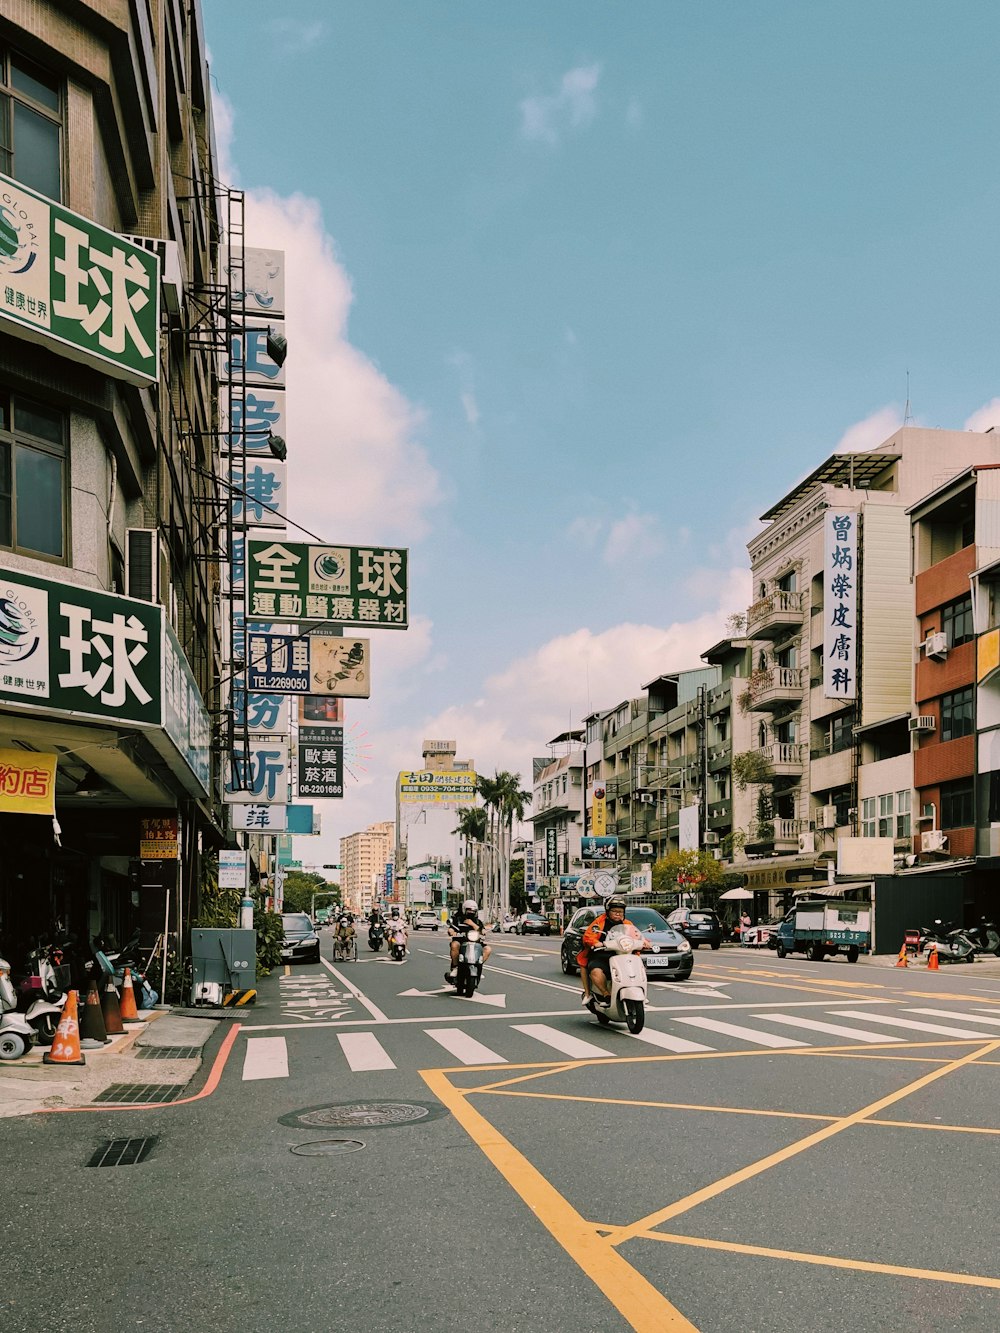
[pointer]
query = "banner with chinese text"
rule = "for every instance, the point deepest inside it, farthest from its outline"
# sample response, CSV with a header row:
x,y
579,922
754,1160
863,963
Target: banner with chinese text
x,y
310,664
159,838
840,603
27,782
432,787
364,586
321,761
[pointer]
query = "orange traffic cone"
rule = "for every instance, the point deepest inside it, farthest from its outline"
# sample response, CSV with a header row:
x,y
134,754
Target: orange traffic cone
x,y
65,1048
901,960
130,1014
932,960
111,1010
92,1027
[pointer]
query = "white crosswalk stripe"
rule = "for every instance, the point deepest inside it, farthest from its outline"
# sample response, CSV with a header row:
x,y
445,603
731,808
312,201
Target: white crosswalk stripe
x,y
464,1048
364,1052
834,1029
560,1041
667,1043
769,1039
265,1057
965,1018
911,1025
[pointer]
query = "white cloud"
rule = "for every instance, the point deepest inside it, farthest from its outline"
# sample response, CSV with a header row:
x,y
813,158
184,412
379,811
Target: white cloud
x,y
356,470
984,417
634,537
293,36
871,432
574,106
471,408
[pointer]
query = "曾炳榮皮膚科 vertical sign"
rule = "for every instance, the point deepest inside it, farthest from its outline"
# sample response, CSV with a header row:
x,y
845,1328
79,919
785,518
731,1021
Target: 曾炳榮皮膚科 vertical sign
x,y
840,603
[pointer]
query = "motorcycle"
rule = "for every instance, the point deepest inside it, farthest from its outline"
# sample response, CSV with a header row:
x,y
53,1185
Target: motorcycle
x,y
627,1001
43,992
376,936
16,1033
951,944
984,938
397,946
469,971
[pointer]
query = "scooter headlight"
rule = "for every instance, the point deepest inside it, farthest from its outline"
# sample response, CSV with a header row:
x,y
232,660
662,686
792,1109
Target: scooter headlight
x,y
473,936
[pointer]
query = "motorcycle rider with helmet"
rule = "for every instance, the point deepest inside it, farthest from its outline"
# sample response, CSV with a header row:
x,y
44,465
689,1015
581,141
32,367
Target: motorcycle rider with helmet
x,y
467,918
593,960
396,927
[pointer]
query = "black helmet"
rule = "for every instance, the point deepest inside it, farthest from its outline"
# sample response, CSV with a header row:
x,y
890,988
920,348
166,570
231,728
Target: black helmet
x,y
616,900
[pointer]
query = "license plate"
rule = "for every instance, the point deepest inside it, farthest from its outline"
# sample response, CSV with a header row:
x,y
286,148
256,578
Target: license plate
x,y
658,961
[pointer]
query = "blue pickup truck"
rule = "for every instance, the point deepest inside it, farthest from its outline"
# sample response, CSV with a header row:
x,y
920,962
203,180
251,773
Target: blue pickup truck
x,y
818,927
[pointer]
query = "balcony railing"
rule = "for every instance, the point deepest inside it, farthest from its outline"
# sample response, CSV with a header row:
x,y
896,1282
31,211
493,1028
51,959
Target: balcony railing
x,y
785,758
778,688
773,615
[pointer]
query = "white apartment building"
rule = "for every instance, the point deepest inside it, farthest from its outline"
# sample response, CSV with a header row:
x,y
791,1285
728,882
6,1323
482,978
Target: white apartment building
x,y
364,857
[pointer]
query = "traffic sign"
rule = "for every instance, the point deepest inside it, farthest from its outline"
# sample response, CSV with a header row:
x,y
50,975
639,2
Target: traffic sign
x,y
605,883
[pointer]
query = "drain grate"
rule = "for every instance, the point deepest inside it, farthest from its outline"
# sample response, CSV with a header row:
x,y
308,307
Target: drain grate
x,y
168,1053
141,1092
368,1115
326,1147
124,1152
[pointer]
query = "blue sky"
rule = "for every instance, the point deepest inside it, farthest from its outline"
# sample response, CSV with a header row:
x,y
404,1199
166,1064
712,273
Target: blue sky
x,y
577,289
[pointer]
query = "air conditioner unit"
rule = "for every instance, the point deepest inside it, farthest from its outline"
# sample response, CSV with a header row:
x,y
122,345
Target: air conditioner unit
x,y
936,647
827,817
647,798
145,564
925,722
171,281
645,849
807,844
711,838
934,841
717,853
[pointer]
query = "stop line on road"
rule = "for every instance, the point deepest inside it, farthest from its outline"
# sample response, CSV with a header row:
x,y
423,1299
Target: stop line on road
x,y
366,1052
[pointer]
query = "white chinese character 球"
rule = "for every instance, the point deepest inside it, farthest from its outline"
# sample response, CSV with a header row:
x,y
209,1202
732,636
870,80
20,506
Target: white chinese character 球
x,y
83,265
103,651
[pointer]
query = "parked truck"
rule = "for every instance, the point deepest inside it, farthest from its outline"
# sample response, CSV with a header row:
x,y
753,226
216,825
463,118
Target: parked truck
x,y
818,927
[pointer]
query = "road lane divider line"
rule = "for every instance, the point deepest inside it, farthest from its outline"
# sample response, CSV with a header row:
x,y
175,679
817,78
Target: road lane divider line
x,y
539,981
822,1260
645,1309
464,1048
265,1057
364,1052
791,1150
211,1083
351,989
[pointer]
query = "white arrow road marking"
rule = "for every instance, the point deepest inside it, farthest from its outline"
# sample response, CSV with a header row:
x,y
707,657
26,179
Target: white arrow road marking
x,y
525,957
441,990
497,1001
392,962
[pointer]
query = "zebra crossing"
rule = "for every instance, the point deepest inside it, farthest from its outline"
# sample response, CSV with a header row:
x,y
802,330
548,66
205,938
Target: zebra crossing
x,y
371,1051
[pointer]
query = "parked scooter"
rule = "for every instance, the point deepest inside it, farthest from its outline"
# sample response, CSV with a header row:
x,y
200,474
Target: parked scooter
x,y
951,943
16,1033
984,938
469,971
43,992
627,1001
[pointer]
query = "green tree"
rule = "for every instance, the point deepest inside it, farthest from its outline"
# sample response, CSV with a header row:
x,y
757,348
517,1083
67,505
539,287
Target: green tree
x,y
471,828
505,804
300,885
687,872
518,900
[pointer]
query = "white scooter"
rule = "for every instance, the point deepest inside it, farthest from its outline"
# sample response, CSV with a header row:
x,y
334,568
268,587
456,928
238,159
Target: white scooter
x,y
42,997
627,1002
16,1033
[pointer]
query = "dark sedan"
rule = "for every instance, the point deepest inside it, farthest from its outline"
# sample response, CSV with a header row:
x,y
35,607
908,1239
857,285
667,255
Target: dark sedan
x,y
670,958
533,924
300,943
698,925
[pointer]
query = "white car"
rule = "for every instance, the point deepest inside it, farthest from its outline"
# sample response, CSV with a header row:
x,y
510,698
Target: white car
x,y
510,924
426,921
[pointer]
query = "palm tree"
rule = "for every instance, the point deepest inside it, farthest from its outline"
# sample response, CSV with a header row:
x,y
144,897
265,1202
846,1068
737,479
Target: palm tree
x,y
472,829
504,801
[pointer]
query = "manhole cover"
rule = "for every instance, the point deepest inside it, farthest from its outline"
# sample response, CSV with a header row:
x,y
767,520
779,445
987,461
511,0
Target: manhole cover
x,y
327,1147
368,1115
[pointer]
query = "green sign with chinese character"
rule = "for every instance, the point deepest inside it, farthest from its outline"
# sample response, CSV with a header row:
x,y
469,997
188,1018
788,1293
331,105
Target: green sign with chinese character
x,y
342,585
67,280
76,650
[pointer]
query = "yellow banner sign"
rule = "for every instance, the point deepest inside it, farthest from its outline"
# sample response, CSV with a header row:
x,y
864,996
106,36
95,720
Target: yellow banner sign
x,y
159,838
599,813
433,787
27,783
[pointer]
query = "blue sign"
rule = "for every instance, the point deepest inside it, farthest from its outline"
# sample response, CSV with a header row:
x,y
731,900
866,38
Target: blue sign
x,y
278,663
598,849
301,819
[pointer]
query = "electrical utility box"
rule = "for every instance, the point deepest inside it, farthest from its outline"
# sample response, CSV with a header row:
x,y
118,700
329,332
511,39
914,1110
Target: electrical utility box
x,y
222,961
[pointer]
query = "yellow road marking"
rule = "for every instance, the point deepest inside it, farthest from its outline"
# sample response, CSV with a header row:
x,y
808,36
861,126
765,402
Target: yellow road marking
x,y
643,1307
950,1129
792,1150
825,1260
666,1106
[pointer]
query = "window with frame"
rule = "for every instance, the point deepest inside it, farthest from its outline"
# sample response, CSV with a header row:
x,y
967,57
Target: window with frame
x,y
957,804
842,731
31,124
868,817
903,799
885,813
956,621
956,714
32,478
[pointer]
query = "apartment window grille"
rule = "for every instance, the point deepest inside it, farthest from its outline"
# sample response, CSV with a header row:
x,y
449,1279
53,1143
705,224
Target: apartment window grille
x,y
956,621
957,714
33,484
31,123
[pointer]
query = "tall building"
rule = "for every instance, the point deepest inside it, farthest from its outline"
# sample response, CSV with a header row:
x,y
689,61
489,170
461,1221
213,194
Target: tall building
x,y
108,427
365,858
429,802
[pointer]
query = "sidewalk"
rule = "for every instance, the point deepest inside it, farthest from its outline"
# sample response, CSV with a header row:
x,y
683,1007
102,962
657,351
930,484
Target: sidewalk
x,y
27,1085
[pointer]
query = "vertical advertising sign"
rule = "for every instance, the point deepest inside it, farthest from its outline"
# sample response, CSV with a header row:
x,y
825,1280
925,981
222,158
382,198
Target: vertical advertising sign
x,y
551,852
840,603
599,814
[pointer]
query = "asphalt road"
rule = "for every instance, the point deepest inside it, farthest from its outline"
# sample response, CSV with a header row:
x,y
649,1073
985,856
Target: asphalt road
x,y
788,1146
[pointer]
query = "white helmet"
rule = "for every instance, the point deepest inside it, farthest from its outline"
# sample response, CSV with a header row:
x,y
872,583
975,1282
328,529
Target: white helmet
x,y
470,905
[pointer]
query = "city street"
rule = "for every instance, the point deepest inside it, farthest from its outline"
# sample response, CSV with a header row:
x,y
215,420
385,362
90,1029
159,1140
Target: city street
x,y
787,1145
